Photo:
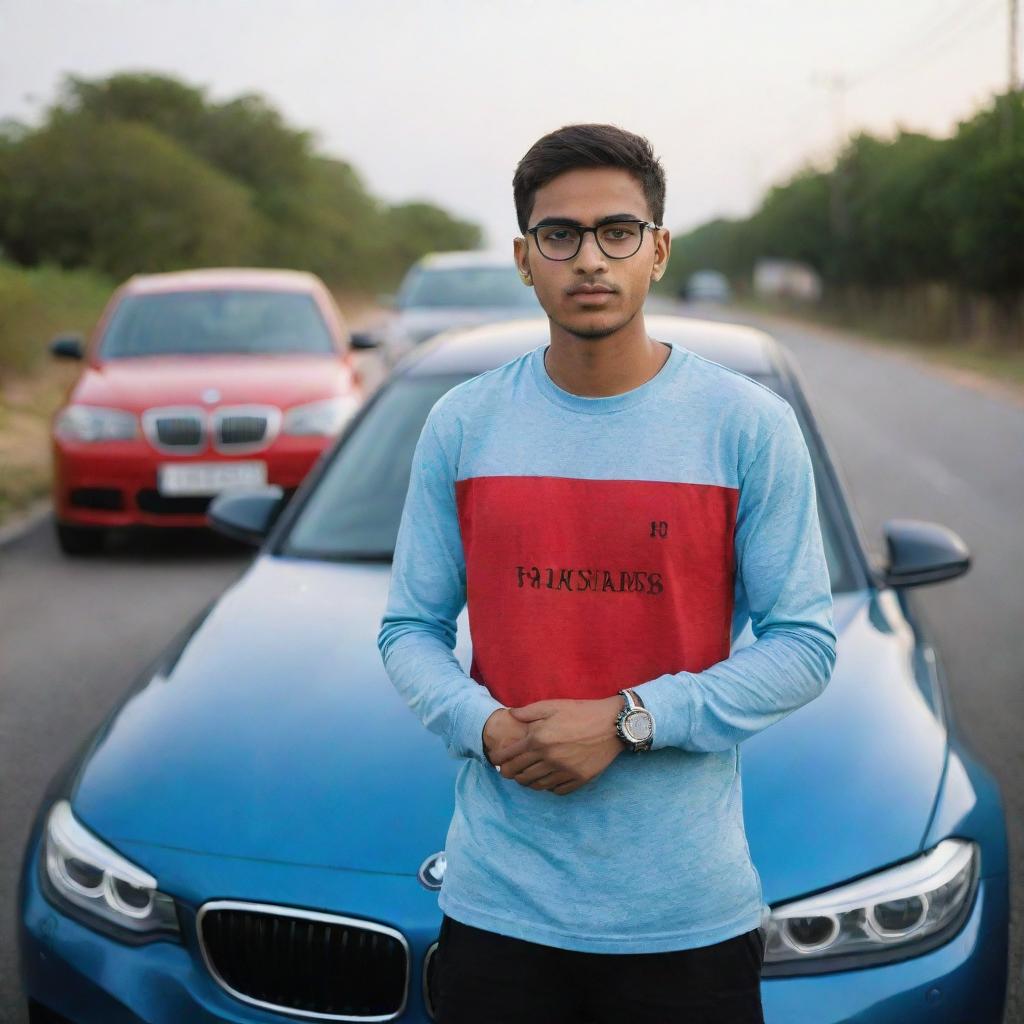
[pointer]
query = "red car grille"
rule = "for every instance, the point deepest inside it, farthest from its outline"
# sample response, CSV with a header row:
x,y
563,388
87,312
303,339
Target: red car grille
x,y
188,429
179,431
241,429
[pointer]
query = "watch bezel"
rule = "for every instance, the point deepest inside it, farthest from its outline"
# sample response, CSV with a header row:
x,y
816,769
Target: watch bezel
x,y
630,715
633,706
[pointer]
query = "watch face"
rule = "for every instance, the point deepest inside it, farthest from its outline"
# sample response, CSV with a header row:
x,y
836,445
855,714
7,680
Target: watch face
x,y
637,726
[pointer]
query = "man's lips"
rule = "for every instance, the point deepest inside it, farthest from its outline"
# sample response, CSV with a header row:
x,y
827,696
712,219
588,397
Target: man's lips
x,y
591,289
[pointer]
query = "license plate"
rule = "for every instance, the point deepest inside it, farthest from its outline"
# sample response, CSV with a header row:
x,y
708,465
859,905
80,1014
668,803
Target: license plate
x,y
209,477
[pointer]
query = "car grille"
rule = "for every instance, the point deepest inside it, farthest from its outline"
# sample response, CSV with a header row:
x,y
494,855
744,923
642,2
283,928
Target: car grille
x,y
297,961
244,428
233,430
179,431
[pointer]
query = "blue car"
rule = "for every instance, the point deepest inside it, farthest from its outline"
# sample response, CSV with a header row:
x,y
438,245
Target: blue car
x,y
255,834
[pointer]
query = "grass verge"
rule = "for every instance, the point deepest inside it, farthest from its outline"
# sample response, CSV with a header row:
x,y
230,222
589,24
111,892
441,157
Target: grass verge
x,y
991,363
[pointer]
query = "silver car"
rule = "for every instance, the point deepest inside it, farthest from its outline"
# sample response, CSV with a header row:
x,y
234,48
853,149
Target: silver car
x,y
455,289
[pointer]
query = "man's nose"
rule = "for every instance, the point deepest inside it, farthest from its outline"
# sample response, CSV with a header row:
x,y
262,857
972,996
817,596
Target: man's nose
x,y
590,257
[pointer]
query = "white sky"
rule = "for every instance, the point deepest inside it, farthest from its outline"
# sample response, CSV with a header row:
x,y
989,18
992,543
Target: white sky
x,y
439,100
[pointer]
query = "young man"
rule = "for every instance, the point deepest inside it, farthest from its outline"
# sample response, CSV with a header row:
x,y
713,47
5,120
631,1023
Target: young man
x,y
614,509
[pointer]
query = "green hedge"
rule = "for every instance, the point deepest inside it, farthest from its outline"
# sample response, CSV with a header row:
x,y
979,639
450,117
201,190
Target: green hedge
x,y
892,215
37,304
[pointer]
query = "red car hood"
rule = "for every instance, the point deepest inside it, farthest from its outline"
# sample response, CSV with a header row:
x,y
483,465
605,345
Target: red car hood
x,y
137,384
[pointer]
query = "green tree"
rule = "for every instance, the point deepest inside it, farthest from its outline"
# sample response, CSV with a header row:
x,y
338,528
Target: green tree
x,y
794,223
121,198
141,171
895,236
245,137
982,200
715,245
416,228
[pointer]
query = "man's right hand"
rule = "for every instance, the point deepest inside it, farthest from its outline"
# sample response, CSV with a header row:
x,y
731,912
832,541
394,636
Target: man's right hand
x,y
502,728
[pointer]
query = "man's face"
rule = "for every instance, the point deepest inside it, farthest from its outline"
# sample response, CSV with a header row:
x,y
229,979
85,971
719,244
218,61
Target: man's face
x,y
586,196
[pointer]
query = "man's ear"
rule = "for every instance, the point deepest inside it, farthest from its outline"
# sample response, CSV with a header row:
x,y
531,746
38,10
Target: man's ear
x,y
662,249
521,255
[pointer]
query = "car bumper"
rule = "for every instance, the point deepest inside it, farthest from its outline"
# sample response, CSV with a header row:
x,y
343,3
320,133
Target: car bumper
x,y
964,980
115,483
89,978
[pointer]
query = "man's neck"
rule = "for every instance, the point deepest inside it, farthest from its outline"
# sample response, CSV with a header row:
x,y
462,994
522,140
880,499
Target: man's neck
x,y
601,367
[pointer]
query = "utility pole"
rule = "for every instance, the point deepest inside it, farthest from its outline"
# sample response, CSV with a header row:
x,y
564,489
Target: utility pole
x,y
1010,101
1014,76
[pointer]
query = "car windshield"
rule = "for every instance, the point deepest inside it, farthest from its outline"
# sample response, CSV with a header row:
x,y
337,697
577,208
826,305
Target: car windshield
x,y
466,286
216,322
354,511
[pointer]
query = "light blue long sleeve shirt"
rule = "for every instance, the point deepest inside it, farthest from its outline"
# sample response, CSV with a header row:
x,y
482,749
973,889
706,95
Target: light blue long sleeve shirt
x,y
603,543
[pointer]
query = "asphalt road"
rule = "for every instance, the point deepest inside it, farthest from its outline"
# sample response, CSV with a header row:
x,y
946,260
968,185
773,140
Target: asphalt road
x,y
910,440
914,441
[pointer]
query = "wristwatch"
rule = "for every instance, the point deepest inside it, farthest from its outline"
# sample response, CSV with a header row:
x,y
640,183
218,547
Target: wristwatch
x,y
635,724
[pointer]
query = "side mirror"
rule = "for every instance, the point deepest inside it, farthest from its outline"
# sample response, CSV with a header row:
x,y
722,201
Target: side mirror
x,y
67,346
246,515
364,340
921,552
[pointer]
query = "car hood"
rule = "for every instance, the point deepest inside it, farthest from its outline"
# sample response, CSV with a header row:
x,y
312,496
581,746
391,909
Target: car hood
x,y
271,731
137,384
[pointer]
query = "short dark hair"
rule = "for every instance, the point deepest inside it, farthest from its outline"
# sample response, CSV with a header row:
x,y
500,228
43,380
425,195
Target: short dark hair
x,y
587,145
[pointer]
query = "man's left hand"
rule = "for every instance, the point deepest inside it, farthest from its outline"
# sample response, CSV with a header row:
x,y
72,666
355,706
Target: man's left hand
x,y
569,742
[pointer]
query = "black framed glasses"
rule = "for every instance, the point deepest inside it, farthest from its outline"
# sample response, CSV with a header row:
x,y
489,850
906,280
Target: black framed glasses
x,y
618,239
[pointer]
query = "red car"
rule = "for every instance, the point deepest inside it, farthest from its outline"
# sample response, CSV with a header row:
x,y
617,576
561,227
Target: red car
x,y
194,382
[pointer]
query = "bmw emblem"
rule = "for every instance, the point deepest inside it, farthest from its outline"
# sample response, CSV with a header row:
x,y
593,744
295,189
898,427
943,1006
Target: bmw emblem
x,y
431,871
211,395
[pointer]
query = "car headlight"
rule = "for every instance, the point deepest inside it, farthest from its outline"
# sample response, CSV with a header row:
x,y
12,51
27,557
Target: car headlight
x,y
891,915
325,418
89,874
96,423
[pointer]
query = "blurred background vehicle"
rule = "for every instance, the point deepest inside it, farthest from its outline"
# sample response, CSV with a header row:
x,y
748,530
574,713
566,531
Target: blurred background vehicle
x,y
706,286
195,382
454,289
786,279
210,831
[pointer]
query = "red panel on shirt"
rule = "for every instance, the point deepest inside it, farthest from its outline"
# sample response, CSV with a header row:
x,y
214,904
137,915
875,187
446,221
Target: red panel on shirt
x,y
577,588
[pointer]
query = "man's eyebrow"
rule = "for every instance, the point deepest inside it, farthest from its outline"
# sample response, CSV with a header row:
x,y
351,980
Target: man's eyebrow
x,y
569,222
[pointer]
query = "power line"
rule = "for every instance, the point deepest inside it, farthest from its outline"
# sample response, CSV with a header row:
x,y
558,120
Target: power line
x,y
942,32
926,42
962,31
953,28
923,35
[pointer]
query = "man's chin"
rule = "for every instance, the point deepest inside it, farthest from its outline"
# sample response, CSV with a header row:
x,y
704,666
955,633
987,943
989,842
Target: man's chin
x,y
592,327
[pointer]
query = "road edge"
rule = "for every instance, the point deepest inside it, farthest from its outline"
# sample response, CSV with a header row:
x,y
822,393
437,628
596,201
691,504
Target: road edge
x,y
976,380
20,523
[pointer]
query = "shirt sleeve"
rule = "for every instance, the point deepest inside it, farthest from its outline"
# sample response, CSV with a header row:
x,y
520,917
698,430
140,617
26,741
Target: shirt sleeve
x,y
426,595
781,565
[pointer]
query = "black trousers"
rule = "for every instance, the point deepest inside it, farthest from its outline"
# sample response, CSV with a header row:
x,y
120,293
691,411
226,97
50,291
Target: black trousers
x,y
481,977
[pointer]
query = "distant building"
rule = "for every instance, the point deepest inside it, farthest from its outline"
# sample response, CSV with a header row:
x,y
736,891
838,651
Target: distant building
x,y
786,279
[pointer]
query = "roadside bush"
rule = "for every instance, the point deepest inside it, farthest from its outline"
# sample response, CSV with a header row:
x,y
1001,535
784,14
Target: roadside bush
x,y
121,198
